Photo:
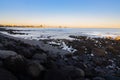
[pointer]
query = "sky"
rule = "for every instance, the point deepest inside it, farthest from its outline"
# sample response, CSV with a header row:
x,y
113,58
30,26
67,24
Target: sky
x,y
69,13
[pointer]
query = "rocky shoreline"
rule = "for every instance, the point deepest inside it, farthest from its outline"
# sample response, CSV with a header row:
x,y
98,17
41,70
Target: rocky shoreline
x,y
94,59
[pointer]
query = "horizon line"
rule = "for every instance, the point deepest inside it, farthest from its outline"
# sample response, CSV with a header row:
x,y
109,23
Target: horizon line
x,y
51,26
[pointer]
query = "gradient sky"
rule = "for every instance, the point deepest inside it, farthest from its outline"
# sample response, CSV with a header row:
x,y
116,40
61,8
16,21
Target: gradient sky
x,y
71,13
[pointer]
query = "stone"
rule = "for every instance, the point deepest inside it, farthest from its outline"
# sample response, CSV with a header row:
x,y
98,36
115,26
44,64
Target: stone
x,y
110,77
112,49
16,63
65,73
5,54
6,75
117,73
98,78
26,52
35,69
81,65
1,63
100,61
55,74
1,46
73,72
41,57
99,52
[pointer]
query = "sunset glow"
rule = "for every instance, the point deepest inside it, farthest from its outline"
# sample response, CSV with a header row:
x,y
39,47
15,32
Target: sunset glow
x,y
67,13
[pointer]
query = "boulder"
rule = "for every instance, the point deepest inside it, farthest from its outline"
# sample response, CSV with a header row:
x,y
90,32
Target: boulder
x,y
6,75
73,72
1,46
35,69
16,63
112,49
55,74
5,54
81,65
99,52
1,63
65,73
110,77
41,57
98,78
25,52
98,61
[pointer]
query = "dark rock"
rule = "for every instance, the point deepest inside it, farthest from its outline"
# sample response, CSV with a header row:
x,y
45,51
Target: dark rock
x,y
16,63
73,72
110,77
40,57
112,49
81,65
1,63
66,73
1,46
35,69
6,75
98,78
89,72
55,74
98,61
99,52
26,52
117,73
5,54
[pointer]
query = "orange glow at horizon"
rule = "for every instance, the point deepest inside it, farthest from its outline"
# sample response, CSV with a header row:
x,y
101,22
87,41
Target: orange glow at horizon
x,y
65,21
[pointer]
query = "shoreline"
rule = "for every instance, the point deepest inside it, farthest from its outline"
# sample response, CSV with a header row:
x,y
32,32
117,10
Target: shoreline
x,y
95,59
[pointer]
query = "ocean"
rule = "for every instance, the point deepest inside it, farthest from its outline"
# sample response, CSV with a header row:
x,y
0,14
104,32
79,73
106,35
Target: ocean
x,y
60,33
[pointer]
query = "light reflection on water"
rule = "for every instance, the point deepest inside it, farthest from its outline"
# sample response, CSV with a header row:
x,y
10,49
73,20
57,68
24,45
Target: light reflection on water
x,y
63,33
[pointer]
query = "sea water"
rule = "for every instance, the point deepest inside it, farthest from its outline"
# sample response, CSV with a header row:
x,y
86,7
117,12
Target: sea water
x,y
61,33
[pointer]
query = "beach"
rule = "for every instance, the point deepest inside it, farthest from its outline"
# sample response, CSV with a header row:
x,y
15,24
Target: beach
x,y
77,58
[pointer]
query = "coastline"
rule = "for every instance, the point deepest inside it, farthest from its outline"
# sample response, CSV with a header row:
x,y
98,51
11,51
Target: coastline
x,y
95,59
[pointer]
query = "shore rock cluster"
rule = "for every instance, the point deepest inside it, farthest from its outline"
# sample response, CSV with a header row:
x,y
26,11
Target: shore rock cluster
x,y
95,59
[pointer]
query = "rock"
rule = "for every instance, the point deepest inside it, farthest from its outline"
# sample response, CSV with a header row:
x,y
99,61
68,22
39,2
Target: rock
x,y
98,78
1,63
117,73
6,75
41,57
35,69
98,52
112,49
100,61
81,65
5,54
16,63
65,73
73,72
110,77
55,74
1,46
25,52
89,72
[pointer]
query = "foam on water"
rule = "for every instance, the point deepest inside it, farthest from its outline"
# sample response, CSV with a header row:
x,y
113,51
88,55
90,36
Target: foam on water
x,y
62,33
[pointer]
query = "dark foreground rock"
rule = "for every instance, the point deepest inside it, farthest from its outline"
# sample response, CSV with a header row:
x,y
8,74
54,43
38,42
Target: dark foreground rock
x,y
94,59
6,75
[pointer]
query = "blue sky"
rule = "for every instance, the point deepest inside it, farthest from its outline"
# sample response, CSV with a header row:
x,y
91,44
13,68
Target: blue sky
x,y
80,13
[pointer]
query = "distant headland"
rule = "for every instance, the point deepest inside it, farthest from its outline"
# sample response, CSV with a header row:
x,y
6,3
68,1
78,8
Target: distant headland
x,y
32,26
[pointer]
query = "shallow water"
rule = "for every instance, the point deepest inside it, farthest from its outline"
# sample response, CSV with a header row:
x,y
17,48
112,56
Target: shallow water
x,y
62,33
